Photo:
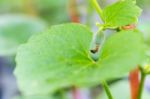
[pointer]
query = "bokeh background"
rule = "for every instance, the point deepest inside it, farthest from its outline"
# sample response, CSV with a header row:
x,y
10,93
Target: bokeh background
x,y
20,19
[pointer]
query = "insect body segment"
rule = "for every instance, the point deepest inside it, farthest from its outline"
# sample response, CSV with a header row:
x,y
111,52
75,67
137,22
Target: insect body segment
x,y
98,42
97,45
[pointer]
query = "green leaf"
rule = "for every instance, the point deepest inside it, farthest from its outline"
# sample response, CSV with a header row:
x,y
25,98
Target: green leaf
x,y
121,13
15,30
60,58
55,53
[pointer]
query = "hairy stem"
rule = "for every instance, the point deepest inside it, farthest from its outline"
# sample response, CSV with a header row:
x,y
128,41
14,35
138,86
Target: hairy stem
x,y
141,87
98,8
108,92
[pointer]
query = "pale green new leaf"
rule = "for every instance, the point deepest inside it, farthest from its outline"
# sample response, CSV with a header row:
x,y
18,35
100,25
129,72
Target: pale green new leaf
x,y
121,13
60,58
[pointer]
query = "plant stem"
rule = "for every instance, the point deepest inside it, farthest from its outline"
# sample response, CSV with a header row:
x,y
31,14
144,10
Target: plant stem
x,y
108,92
141,87
134,83
98,8
73,13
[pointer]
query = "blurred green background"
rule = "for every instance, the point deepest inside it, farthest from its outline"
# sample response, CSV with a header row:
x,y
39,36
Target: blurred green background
x,y
20,19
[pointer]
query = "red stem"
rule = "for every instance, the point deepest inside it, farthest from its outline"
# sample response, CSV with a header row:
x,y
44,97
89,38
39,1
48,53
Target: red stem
x,y
134,83
74,15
